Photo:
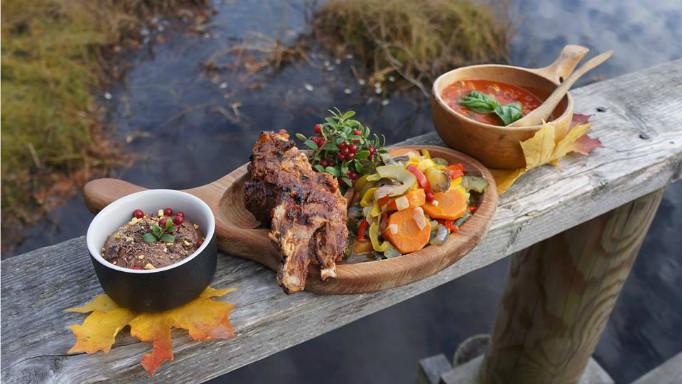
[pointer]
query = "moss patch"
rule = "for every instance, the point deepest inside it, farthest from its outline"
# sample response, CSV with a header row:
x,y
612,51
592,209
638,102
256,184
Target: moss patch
x,y
52,60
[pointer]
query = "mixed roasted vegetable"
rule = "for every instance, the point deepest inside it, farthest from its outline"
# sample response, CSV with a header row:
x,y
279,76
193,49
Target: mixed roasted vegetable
x,y
398,204
411,201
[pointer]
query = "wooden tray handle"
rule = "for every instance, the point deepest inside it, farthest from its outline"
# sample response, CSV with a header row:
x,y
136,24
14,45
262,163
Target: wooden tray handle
x,y
100,192
564,65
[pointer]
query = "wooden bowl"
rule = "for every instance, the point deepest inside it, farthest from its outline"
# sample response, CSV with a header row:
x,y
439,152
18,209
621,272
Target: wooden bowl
x,y
498,146
240,234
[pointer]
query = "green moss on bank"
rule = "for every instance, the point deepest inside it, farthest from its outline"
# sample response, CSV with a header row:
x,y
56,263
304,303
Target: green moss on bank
x,y
51,64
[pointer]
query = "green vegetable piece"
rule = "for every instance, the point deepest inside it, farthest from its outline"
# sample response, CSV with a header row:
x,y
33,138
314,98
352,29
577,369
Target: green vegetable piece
x,y
157,231
474,183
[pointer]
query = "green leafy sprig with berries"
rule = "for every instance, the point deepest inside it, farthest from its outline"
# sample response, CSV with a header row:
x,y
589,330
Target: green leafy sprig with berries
x,y
344,147
161,232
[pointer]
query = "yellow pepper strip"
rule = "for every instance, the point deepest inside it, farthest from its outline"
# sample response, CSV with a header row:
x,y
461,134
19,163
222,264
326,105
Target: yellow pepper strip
x,y
368,197
426,154
373,177
376,210
374,238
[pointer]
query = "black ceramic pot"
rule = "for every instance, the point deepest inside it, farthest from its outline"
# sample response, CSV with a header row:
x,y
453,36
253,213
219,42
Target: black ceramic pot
x,y
162,288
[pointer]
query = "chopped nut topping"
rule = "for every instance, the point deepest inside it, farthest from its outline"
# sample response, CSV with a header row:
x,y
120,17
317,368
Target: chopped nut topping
x,y
149,266
160,213
196,226
140,257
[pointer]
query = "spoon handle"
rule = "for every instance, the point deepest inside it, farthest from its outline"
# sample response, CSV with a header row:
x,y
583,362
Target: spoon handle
x,y
543,111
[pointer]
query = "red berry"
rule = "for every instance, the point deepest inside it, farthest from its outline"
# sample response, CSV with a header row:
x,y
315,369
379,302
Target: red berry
x,y
343,145
162,221
357,132
341,156
167,212
345,150
178,219
372,149
353,148
180,213
352,175
318,128
324,162
429,196
138,213
350,156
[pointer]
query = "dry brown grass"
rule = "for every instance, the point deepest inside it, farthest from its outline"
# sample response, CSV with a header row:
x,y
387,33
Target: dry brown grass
x,y
417,39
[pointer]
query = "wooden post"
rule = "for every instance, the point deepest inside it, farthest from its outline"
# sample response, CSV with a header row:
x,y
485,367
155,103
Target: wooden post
x,y
560,294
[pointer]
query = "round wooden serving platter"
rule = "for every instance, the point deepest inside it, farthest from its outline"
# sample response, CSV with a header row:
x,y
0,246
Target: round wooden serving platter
x,y
238,232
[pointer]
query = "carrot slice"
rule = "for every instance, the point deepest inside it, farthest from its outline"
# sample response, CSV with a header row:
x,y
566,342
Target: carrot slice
x,y
452,204
415,198
404,233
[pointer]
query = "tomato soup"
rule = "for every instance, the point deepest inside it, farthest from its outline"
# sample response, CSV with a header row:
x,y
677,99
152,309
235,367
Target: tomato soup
x,y
502,92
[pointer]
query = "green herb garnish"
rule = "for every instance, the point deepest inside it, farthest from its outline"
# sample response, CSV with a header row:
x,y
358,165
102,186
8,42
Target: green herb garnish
x,y
483,103
344,147
161,234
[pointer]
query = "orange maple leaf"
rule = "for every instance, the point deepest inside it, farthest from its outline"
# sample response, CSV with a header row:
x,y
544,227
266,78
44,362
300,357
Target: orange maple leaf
x,y
203,318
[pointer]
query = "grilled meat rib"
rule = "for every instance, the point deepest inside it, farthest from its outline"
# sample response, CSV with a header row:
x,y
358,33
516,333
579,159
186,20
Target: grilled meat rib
x,y
304,209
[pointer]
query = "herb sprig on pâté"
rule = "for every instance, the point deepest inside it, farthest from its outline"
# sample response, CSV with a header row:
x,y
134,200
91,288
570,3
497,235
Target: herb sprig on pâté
x,y
344,147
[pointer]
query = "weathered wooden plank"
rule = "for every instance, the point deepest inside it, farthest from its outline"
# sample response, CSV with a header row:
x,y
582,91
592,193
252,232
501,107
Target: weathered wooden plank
x,y
37,286
468,373
669,372
430,369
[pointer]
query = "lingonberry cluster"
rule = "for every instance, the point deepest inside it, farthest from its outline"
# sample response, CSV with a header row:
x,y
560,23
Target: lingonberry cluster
x,y
343,147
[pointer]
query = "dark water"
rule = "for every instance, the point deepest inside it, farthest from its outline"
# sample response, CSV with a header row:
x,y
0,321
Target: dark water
x,y
187,126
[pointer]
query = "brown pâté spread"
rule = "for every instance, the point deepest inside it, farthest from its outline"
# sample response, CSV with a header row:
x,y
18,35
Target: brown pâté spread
x,y
149,242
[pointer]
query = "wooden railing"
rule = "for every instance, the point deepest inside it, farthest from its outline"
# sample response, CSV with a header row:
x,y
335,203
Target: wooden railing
x,y
577,204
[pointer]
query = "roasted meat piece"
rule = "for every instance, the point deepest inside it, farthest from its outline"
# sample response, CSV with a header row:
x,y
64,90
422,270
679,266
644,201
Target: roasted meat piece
x,y
304,209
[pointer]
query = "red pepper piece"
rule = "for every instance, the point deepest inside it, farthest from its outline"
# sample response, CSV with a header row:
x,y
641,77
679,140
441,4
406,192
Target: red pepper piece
x,y
449,224
362,228
455,170
421,179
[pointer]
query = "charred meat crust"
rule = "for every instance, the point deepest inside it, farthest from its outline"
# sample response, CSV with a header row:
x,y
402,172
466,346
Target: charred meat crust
x,y
304,209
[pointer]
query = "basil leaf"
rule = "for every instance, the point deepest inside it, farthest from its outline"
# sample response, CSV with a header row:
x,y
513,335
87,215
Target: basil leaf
x,y
479,102
149,238
156,230
310,144
509,113
166,238
301,137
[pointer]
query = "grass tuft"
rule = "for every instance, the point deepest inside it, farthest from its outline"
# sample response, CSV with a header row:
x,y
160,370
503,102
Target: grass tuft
x,y
417,39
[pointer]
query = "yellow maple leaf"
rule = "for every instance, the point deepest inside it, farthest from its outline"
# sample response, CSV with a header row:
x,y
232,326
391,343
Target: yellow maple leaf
x,y
539,149
203,318
543,149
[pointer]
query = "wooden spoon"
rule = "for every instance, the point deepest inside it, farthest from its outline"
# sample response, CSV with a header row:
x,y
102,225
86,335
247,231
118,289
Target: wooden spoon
x,y
542,112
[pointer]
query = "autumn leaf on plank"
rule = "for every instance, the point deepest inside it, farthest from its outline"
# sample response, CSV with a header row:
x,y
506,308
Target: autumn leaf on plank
x,y
204,319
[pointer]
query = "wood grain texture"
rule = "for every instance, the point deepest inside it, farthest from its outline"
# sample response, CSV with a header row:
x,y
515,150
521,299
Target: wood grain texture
x,y
38,285
239,234
559,295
